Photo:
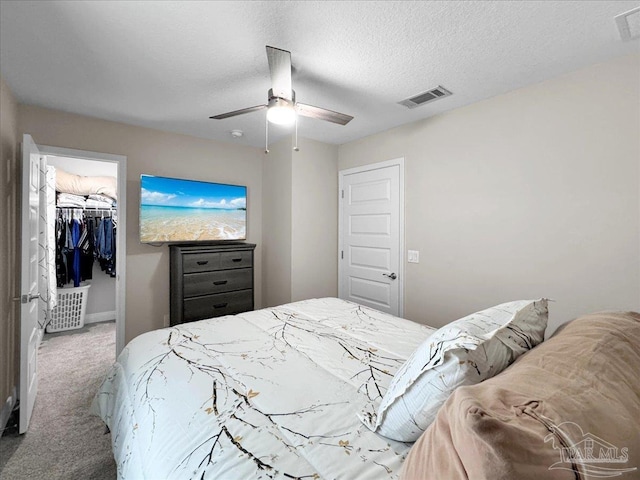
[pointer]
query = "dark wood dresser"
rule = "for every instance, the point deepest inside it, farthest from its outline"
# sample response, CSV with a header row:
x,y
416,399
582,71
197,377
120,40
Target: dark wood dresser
x,y
210,280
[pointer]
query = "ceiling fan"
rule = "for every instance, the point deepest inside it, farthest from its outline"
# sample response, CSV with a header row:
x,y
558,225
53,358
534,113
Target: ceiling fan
x,y
282,108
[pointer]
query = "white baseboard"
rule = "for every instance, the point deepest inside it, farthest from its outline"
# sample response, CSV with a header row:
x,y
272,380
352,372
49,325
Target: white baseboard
x,y
99,317
7,408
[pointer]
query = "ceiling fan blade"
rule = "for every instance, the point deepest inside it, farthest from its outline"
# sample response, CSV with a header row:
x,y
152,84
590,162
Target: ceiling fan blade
x,y
238,112
323,114
280,68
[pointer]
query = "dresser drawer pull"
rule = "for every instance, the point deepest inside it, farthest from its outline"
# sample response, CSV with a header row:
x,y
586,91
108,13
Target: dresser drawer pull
x,y
220,282
220,305
202,262
236,259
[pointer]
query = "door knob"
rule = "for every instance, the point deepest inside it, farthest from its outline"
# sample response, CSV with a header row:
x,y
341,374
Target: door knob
x,y
28,298
392,276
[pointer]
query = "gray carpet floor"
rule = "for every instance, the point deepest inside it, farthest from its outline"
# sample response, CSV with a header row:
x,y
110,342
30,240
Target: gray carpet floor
x,y
64,440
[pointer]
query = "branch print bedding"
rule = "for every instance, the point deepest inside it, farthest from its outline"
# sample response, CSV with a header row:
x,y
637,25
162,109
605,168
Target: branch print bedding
x,y
272,393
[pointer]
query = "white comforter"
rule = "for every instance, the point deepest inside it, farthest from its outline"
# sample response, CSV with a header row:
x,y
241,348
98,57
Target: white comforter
x,y
272,393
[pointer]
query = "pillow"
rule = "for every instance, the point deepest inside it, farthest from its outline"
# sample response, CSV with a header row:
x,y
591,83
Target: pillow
x,y
536,420
464,352
80,185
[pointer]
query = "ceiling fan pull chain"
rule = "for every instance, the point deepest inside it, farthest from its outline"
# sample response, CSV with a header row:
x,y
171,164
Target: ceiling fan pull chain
x,y
295,148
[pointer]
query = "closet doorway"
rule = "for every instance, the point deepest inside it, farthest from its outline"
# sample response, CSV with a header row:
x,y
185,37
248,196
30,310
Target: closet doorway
x,y
105,298
85,163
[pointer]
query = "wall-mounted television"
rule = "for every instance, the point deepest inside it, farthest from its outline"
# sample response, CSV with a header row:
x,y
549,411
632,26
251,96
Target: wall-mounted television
x,y
175,210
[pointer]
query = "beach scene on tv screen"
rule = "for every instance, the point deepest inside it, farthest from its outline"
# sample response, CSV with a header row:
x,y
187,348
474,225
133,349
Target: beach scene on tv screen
x,y
174,210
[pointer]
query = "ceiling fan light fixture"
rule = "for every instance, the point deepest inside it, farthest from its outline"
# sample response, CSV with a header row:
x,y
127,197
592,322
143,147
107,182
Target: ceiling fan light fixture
x,y
281,112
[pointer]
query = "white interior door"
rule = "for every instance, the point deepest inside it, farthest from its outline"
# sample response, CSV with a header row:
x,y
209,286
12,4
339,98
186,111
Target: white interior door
x,y
29,334
371,205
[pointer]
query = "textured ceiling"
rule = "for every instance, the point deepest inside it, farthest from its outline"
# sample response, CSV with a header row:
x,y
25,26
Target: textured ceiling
x,y
169,65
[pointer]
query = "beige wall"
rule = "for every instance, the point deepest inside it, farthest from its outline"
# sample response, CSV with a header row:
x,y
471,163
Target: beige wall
x,y
528,194
532,193
9,178
314,221
300,221
276,223
157,153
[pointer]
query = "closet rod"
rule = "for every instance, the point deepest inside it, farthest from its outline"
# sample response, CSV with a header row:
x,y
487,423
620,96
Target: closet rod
x,y
88,210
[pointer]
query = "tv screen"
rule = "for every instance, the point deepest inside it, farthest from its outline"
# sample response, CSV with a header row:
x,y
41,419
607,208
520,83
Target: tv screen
x,y
175,210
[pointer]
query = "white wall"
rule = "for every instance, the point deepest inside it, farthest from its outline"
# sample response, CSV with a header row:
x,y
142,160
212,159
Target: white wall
x,y
276,223
300,221
80,166
528,194
101,297
314,220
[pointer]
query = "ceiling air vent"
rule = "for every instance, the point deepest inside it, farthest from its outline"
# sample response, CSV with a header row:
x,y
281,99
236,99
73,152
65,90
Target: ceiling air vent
x,y
426,97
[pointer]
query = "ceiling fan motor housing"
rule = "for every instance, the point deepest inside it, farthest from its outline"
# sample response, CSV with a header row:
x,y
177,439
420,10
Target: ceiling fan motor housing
x,y
273,99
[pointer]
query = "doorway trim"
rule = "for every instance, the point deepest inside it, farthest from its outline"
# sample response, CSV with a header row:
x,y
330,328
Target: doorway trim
x,y
401,267
121,245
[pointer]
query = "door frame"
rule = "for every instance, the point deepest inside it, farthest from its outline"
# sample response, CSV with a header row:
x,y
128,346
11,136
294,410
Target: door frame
x,y
401,247
121,239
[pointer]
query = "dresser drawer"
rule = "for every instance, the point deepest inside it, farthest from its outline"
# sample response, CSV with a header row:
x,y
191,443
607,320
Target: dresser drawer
x,y
218,281
200,262
208,306
236,259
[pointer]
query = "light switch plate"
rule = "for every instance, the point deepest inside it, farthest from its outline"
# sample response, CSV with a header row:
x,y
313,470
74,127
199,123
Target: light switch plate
x,y
413,256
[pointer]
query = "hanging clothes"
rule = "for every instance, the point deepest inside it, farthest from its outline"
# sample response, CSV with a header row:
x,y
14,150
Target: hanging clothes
x,y
75,238
105,245
81,239
62,275
87,242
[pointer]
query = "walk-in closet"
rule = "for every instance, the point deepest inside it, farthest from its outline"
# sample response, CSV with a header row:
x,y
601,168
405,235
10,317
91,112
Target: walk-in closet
x,y
83,254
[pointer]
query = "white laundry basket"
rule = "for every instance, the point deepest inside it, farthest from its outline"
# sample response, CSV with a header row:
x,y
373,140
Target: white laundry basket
x,y
69,313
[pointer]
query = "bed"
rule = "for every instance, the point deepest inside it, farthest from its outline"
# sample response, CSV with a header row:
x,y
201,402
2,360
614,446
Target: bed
x,y
273,393
328,389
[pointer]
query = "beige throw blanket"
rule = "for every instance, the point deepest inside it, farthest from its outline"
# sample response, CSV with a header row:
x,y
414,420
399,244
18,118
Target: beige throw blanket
x,y
568,409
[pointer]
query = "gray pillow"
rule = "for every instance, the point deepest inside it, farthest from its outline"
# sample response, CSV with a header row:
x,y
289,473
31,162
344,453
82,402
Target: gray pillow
x,y
463,352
